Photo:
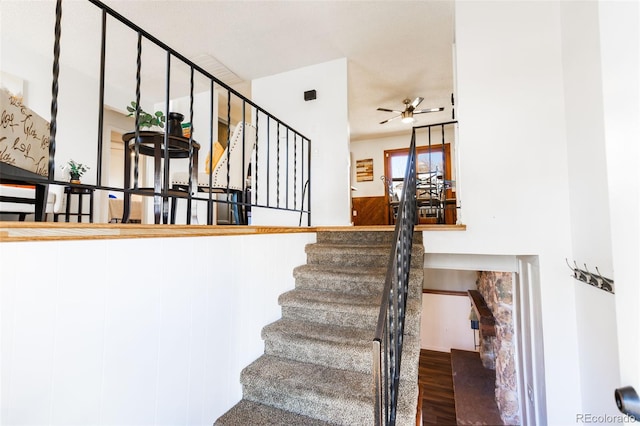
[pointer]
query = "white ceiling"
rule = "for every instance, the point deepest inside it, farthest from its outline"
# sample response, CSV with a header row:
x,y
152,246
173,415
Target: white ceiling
x,y
395,49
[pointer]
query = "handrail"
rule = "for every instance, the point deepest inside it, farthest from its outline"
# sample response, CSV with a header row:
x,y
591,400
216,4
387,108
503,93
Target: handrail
x,y
162,192
388,339
184,59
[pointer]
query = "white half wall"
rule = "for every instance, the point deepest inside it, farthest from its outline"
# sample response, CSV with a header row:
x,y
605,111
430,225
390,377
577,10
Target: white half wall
x,y
323,120
139,331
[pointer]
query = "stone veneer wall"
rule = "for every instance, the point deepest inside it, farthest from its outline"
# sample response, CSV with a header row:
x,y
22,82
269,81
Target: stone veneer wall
x,y
498,352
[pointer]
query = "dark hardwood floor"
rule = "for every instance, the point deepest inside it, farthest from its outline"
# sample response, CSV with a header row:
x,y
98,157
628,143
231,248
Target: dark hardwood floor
x,y
436,388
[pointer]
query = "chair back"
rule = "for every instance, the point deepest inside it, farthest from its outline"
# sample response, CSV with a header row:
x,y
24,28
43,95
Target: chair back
x,y
236,157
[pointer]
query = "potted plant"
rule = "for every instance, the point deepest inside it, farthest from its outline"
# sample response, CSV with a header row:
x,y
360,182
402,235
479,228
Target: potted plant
x,y
75,170
146,120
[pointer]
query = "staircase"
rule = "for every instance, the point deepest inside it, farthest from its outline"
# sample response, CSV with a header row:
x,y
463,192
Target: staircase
x,y
316,369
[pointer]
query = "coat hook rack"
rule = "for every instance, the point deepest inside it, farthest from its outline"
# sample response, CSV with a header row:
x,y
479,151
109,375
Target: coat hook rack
x,y
593,279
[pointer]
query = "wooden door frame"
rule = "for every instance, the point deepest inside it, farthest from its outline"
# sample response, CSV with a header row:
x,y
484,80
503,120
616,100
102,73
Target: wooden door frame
x,y
388,153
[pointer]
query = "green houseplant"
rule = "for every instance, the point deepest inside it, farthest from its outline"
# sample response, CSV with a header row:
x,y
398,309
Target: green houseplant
x,y
146,120
75,170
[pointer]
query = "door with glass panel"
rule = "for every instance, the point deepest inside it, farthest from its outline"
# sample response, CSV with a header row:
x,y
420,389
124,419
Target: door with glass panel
x,y
433,183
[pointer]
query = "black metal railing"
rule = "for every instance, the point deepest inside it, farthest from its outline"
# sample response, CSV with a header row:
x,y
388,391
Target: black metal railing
x,y
275,165
387,343
436,185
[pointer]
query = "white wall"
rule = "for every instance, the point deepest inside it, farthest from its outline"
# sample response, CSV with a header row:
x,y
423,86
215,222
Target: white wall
x,y
589,207
325,122
513,163
141,331
374,148
445,323
620,51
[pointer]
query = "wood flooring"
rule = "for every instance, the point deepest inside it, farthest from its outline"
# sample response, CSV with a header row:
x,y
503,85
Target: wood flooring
x,y
436,388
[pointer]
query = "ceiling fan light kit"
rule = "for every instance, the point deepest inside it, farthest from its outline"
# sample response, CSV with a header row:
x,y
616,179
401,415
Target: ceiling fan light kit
x,y
409,111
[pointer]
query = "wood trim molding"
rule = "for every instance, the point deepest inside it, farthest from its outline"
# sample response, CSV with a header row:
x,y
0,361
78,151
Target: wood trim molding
x,y
445,292
58,231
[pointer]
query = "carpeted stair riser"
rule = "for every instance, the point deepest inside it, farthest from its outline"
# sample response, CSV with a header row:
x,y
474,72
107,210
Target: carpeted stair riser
x,y
338,347
362,238
345,313
350,280
356,256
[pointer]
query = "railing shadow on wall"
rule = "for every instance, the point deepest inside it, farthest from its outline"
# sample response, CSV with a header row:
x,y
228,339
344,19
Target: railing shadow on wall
x,y
271,158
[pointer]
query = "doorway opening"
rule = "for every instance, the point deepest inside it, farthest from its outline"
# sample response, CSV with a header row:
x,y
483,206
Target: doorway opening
x,y
510,286
433,189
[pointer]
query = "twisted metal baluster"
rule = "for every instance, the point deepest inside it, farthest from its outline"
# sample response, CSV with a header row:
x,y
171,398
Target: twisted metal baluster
x,y
255,177
136,157
54,91
278,165
295,168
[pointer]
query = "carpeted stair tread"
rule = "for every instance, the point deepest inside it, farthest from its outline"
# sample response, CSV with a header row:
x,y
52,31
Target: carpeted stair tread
x,y
252,413
317,331
349,279
357,255
339,347
345,348
330,300
342,309
337,396
316,391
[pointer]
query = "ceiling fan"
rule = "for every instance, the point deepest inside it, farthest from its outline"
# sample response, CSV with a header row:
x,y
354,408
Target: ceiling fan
x,y
409,111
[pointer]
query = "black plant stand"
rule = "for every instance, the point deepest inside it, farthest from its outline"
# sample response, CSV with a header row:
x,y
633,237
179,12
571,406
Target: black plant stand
x,y
151,143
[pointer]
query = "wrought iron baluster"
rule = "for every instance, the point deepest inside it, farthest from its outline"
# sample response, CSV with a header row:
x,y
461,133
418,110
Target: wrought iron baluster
x,y
136,144
53,127
295,170
255,180
278,164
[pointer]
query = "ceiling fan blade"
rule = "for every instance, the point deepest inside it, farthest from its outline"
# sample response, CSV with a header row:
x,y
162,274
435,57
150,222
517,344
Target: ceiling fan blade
x,y
390,110
390,119
422,111
416,102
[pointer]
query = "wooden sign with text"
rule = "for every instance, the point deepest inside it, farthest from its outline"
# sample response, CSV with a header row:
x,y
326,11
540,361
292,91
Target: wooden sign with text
x,y
24,136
